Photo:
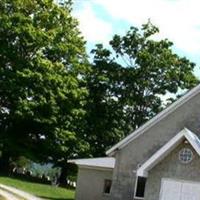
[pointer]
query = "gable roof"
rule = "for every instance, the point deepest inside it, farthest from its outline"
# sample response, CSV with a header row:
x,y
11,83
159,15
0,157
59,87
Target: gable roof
x,y
167,148
189,95
105,162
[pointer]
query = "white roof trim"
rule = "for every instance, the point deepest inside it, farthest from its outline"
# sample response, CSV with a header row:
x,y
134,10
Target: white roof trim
x,y
103,162
95,168
167,148
154,120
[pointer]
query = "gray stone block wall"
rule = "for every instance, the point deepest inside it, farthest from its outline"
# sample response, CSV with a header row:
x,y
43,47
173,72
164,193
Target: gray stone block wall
x,y
139,150
172,168
90,184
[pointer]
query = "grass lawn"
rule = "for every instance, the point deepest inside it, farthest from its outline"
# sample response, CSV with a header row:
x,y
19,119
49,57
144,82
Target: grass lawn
x,y
40,190
2,198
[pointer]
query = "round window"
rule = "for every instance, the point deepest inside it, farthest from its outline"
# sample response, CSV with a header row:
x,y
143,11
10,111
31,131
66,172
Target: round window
x,y
185,155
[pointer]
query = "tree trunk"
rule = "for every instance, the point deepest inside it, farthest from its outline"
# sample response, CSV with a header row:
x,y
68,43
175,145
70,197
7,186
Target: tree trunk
x,y
5,163
62,180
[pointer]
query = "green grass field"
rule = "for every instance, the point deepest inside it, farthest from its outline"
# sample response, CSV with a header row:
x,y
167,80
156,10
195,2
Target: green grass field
x,y
2,198
40,190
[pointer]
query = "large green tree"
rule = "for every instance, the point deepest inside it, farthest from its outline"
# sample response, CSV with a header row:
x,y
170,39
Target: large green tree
x,y
128,81
42,77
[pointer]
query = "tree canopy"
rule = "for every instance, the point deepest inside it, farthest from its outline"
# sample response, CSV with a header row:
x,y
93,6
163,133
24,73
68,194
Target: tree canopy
x,y
128,81
42,81
54,105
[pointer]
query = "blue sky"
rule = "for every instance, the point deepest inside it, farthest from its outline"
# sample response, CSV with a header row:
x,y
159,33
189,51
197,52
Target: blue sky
x,y
178,20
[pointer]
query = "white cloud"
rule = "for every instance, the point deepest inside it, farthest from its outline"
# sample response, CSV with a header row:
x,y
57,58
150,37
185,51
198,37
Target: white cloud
x,y
178,20
93,28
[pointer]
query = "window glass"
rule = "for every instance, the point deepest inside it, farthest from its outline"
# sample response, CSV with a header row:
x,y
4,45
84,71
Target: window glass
x,y
140,187
186,155
107,186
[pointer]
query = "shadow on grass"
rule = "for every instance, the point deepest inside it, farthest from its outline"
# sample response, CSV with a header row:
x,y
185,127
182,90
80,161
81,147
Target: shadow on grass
x,y
55,198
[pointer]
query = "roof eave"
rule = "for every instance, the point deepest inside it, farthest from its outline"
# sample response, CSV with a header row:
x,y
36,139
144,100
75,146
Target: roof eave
x,y
154,121
96,167
166,149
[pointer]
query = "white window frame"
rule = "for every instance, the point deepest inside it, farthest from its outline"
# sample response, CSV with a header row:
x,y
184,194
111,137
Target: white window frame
x,y
181,154
135,189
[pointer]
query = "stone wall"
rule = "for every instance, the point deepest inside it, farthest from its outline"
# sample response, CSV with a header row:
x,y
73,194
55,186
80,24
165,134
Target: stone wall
x,y
171,167
144,146
90,184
